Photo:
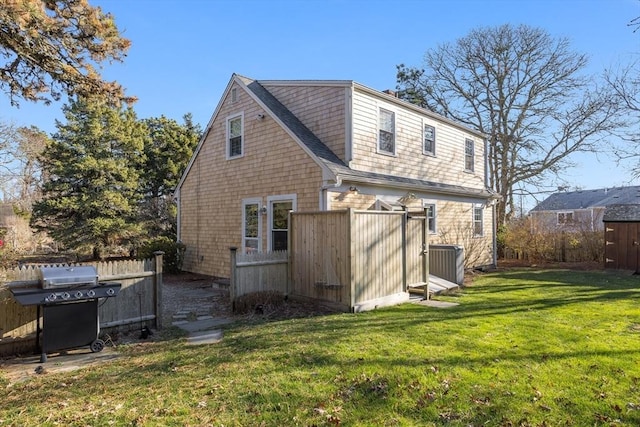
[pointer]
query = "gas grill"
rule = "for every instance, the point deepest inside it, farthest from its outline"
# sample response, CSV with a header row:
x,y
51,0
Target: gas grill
x,y
68,299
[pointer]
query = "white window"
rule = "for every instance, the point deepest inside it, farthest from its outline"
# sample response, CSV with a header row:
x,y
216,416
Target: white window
x,y
387,132
251,226
278,219
431,217
469,155
235,136
565,217
478,221
234,94
429,140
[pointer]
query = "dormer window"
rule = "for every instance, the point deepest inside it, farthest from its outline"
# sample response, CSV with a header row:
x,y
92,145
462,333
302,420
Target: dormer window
x,y
387,132
429,140
469,155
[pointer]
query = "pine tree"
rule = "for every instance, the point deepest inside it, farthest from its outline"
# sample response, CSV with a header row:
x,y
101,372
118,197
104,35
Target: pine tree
x,y
93,165
167,154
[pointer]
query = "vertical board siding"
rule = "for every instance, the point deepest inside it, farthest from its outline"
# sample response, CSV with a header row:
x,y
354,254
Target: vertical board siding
x,y
319,256
136,300
348,257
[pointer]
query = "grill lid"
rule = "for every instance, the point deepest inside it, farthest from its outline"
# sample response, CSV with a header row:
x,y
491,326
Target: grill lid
x,y
57,277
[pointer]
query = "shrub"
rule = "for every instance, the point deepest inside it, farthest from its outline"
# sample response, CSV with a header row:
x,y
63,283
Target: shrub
x,y
173,252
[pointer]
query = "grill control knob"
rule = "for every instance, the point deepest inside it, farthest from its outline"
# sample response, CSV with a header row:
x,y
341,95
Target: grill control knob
x,y
51,298
91,293
66,295
110,291
78,294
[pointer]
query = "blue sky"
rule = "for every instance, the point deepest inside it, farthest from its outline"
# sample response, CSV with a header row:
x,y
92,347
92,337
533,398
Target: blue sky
x,y
184,51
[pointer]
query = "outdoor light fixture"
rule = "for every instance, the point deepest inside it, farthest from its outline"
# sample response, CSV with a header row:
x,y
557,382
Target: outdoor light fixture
x,y
263,210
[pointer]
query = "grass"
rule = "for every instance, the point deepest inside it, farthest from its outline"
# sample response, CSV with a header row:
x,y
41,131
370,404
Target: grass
x,y
523,348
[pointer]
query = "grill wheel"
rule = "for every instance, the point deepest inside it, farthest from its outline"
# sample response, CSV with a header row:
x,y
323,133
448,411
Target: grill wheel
x,y
97,346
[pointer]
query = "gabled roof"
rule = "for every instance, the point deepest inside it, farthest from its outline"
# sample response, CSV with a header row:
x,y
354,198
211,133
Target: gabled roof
x,y
622,213
332,166
585,199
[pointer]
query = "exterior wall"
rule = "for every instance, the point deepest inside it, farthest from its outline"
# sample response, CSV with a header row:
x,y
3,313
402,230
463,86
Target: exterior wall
x,y
447,166
583,220
322,109
211,195
454,226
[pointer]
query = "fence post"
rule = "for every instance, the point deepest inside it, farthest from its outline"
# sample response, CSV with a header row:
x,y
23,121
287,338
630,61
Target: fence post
x,y
289,252
233,277
157,287
405,222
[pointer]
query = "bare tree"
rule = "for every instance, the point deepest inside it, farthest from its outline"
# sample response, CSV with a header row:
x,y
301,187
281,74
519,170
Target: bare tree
x,y
20,172
522,88
51,47
28,177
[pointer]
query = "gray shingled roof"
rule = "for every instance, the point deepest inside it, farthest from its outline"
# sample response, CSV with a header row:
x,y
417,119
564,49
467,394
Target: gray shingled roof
x,y
584,199
335,164
622,213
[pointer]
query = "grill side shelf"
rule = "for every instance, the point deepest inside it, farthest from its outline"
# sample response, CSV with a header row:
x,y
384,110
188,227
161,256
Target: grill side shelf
x,y
39,296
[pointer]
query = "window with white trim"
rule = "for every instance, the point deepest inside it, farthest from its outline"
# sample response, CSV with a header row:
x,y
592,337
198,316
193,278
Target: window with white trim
x,y
478,221
251,227
431,217
235,136
565,217
278,218
387,132
469,155
429,140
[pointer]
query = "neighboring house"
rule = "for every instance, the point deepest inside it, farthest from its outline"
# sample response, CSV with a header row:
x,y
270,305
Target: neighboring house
x,y
581,210
275,146
622,237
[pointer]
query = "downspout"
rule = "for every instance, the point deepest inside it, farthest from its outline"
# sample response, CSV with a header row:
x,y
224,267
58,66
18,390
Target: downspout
x,y
323,193
176,197
495,235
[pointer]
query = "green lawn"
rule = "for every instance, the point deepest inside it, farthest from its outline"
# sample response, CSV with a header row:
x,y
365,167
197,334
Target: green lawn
x,y
523,348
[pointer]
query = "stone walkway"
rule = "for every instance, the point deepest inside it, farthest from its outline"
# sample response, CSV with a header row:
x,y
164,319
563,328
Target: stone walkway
x,y
198,305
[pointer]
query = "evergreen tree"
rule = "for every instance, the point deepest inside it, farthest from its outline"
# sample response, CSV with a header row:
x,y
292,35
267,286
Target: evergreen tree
x,y
55,47
166,154
93,165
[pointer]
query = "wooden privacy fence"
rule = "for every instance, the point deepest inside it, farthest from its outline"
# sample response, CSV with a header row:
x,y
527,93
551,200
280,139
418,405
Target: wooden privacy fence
x,y
352,260
139,300
257,272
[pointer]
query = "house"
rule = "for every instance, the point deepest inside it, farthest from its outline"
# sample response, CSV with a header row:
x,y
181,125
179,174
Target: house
x,y
622,237
275,146
581,210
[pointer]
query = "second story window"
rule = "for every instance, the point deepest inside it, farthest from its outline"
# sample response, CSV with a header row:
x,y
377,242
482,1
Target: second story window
x,y
429,141
469,155
565,218
387,132
234,137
